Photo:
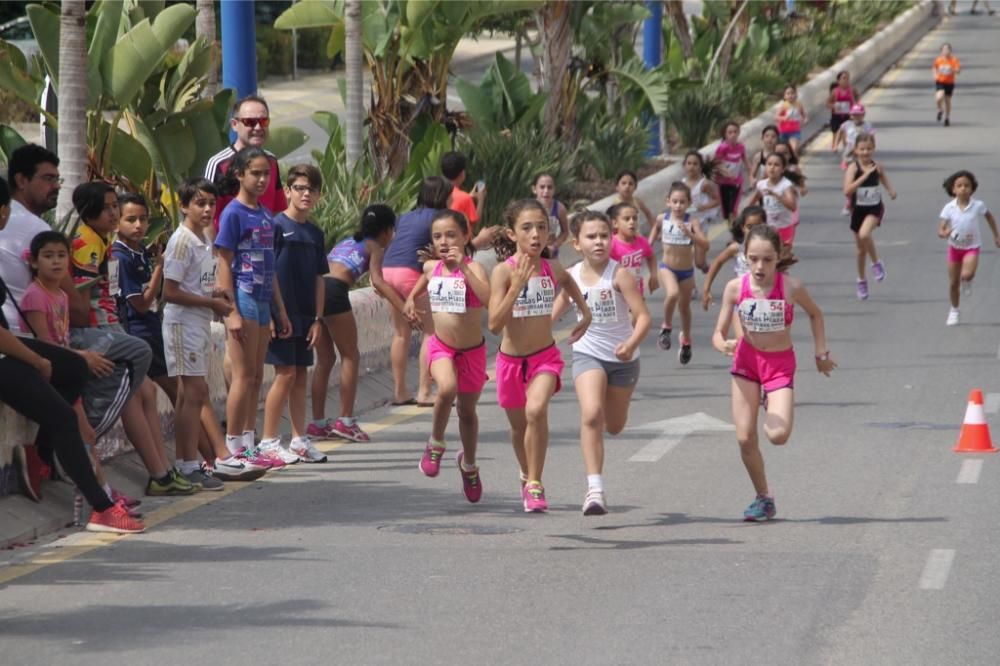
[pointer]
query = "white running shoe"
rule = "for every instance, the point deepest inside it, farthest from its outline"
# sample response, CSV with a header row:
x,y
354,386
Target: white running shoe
x,y
594,503
274,447
237,469
952,317
304,449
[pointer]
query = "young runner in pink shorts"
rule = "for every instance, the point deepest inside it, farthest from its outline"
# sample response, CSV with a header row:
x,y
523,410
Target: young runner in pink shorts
x,y
456,287
522,293
763,359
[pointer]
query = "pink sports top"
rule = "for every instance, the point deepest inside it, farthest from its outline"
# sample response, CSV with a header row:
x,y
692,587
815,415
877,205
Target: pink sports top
x,y
538,296
843,100
450,293
765,315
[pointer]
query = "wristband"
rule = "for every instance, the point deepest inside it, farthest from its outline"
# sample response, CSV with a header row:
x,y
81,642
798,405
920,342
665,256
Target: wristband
x,y
825,356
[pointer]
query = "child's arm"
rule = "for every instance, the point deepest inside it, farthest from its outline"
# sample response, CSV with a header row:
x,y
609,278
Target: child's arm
x,y
714,198
284,328
79,301
315,329
626,284
505,285
802,112
838,137
789,199
224,284
755,198
654,278
854,176
990,220
944,227
563,226
654,233
746,162
698,236
560,306
720,338
801,297
566,281
142,302
36,320
706,289
885,181
172,293
410,306
644,209
477,280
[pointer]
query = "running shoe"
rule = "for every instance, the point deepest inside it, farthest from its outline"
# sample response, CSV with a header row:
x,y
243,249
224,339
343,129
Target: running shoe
x,y
304,449
878,270
31,469
175,485
952,317
940,114
352,432
863,290
966,287
115,520
663,340
472,485
130,502
324,431
202,479
254,456
947,122
845,211
238,468
594,504
430,463
760,510
534,498
684,355
272,447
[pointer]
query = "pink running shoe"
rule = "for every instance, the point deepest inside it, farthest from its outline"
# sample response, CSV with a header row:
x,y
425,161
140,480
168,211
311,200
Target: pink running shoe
x,y
257,457
534,498
472,485
352,432
130,502
430,463
325,431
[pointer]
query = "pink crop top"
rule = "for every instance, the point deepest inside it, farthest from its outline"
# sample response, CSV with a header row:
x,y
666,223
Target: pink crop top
x,y
471,300
764,315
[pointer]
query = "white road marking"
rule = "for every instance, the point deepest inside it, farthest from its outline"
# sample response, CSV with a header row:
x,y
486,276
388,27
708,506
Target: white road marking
x,y
969,472
936,570
671,432
991,405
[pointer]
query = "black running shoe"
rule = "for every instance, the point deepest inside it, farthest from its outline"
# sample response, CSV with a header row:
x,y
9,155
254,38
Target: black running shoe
x,y
663,340
684,355
940,114
947,122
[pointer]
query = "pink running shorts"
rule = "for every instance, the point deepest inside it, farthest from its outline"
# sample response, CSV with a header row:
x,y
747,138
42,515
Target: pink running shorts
x,y
955,255
787,234
470,364
772,370
514,373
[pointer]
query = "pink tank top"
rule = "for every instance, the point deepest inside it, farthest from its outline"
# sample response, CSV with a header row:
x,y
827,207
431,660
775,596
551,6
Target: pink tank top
x,y
765,315
471,300
843,100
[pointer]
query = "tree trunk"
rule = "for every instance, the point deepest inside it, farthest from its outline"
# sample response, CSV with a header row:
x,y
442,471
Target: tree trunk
x,y
679,22
204,26
557,40
72,137
355,80
741,18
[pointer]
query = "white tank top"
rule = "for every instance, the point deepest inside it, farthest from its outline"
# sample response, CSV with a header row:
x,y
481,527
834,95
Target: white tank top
x,y
742,266
778,216
699,198
611,323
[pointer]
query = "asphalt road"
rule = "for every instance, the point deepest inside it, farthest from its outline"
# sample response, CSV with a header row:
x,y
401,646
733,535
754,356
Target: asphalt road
x,y
878,555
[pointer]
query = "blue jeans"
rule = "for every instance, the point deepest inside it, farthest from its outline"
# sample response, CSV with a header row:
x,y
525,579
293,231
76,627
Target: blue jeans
x,y
252,309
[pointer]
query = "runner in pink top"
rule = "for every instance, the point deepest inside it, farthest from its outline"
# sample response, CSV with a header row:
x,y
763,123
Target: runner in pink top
x,y
732,158
630,249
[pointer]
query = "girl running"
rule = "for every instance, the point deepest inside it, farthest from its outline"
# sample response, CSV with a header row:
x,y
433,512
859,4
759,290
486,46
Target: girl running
x,y
348,262
750,216
946,67
791,116
763,359
732,158
705,198
680,232
861,184
606,358
458,287
544,189
784,149
768,140
245,276
842,97
960,225
625,185
528,363
777,194
630,249
847,136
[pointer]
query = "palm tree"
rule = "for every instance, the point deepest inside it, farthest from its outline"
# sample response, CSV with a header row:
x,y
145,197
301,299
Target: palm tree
x,y
204,26
353,48
556,34
72,136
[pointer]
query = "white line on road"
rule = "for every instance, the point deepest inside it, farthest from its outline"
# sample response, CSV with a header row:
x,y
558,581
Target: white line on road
x,y
671,432
992,403
936,570
969,473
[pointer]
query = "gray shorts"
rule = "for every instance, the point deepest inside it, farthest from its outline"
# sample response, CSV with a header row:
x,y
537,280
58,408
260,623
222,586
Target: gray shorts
x,y
624,375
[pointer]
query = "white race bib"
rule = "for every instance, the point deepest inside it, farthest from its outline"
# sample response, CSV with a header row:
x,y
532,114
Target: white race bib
x,y
674,235
842,108
207,280
730,169
602,303
961,241
945,70
869,196
536,298
555,226
113,287
447,294
762,315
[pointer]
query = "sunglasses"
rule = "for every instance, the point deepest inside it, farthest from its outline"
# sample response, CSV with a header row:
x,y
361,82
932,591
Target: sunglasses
x,y
253,122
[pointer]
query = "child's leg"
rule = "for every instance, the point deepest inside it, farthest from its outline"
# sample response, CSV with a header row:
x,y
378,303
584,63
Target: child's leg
x,y
468,425
686,288
169,386
862,251
947,106
263,339
148,393
518,429
297,402
701,256
212,442
325,358
137,430
673,294
867,236
443,372
970,262
98,470
87,433
590,391
746,402
954,275
616,402
780,415
398,352
241,357
424,387
536,414
277,398
345,336
187,416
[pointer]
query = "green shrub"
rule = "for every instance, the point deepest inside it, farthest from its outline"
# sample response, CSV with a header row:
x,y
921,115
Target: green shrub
x,y
697,113
608,144
796,60
312,48
274,52
15,110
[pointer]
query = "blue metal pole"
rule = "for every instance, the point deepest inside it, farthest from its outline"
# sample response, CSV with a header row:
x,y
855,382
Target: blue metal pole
x,y
651,56
239,47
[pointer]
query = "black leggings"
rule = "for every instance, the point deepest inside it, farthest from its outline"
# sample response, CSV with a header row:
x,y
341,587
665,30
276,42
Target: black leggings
x,y
50,405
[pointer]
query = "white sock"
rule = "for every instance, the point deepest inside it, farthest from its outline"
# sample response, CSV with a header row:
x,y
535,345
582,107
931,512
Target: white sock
x,y
248,438
189,466
107,490
234,443
347,420
270,442
468,468
319,423
595,482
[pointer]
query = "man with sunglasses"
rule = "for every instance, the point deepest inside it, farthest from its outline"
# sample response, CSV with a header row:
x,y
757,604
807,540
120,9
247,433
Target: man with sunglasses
x,y
251,118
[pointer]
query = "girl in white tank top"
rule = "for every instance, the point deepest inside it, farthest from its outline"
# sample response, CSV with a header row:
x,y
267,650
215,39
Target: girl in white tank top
x,y
705,199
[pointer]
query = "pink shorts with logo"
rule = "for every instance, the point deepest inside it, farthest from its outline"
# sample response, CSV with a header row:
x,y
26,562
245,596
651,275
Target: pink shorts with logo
x,y
514,373
956,255
470,364
772,370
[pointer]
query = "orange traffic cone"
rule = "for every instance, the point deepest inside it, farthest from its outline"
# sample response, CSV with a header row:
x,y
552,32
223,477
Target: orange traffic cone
x,y
975,435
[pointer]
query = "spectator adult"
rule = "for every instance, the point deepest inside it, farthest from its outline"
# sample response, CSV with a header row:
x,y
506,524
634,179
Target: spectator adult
x,y
251,119
401,268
